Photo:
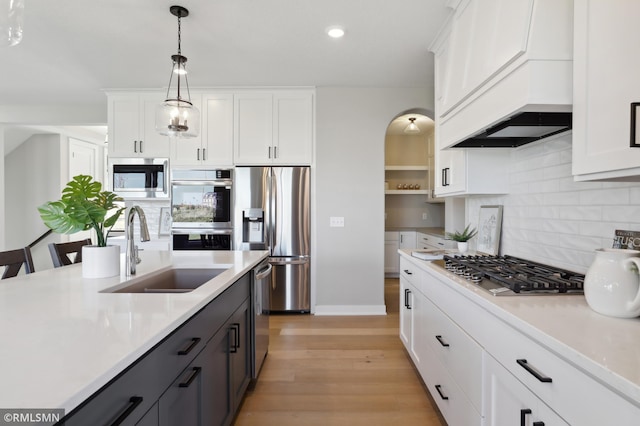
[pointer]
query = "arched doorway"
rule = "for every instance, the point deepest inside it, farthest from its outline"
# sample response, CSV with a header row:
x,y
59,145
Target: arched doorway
x,y
409,183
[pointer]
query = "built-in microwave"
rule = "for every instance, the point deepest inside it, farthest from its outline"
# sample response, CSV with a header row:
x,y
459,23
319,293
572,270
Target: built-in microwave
x,y
133,178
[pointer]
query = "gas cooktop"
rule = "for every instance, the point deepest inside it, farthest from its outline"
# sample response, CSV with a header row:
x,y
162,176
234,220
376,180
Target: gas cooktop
x,y
510,276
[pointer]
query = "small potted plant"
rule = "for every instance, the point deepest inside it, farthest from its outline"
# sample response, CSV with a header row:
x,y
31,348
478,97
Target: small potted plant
x,y
82,207
463,237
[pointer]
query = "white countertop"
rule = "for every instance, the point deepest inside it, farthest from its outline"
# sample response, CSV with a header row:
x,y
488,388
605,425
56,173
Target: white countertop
x,y
604,347
62,339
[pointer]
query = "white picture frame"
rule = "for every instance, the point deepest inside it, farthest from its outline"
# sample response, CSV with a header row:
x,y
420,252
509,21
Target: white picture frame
x,y
489,228
164,227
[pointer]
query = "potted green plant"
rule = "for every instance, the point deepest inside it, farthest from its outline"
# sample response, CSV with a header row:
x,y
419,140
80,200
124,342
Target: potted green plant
x,y
463,237
82,207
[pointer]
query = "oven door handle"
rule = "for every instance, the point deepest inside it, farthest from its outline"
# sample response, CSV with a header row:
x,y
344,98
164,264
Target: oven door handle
x,y
279,261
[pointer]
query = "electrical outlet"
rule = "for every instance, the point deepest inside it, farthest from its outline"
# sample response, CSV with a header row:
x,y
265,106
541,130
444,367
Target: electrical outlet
x,y
336,222
424,216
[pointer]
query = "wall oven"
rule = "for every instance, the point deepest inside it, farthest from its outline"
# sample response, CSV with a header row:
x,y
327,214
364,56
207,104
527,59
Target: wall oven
x,y
201,209
134,178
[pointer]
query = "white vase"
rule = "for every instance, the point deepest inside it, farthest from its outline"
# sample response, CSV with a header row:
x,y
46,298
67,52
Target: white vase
x,y
463,247
612,284
100,262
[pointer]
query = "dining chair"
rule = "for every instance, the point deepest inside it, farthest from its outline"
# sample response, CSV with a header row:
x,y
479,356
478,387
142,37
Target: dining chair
x,y
60,252
12,260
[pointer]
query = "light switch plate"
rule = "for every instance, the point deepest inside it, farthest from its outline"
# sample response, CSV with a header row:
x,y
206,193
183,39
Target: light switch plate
x,y
336,222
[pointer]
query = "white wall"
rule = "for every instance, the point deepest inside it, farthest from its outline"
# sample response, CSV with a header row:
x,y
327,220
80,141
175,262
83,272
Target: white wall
x,y
349,181
32,172
552,219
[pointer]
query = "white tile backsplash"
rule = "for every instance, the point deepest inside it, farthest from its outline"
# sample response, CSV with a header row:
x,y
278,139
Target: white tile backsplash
x,y
547,217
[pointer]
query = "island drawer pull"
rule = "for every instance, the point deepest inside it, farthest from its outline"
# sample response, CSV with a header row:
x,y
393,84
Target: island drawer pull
x,y
524,364
191,378
408,272
440,392
134,401
193,344
523,416
442,342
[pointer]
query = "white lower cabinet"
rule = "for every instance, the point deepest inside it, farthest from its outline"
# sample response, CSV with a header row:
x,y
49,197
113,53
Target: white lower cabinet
x,y
480,369
391,257
509,402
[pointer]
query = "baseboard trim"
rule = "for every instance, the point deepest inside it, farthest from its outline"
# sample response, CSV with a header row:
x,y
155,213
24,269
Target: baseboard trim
x,y
350,310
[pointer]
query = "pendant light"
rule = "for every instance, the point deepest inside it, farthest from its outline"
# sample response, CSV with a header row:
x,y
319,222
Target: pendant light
x,y
11,18
412,128
176,116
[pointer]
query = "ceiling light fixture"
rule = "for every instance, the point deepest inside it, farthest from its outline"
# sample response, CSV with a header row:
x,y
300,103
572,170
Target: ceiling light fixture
x,y
412,128
11,19
177,117
335,32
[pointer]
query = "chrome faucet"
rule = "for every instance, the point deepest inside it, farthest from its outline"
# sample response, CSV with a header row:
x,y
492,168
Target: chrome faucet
x,y
132,249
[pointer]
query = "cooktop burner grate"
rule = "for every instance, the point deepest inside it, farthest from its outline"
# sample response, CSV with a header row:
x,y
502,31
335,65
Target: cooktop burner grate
x,y
518,275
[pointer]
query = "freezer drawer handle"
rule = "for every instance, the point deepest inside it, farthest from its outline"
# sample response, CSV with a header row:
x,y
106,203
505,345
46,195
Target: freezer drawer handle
x,y
134,401
264,273
193,344
289,262
524,364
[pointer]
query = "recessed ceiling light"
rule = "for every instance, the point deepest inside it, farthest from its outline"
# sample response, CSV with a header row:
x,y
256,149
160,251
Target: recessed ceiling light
x,y
335,32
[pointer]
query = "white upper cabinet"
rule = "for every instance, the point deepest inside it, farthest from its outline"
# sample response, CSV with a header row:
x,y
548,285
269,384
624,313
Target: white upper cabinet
x,y
273,127
131,123
214,146
605,85
500,57
472,171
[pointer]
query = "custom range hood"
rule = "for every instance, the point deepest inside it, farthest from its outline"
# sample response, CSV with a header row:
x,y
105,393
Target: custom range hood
x,y
520,129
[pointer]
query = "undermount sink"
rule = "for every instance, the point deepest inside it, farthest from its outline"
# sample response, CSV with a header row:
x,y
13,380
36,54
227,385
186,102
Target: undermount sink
x,y
170,281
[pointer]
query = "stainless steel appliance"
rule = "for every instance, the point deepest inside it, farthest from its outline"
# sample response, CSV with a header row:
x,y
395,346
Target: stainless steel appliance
x,y
272,213
134,178
260,291
202,209
511,276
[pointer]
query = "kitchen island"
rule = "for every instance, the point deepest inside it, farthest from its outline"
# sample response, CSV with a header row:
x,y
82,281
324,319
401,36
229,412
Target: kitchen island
x,y
496,360
65,337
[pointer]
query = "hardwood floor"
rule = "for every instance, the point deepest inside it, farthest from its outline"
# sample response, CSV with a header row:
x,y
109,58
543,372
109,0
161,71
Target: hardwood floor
x,y
347,370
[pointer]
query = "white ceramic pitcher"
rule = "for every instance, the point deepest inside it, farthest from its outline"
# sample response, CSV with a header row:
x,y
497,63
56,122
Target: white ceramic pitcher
x,y
612,283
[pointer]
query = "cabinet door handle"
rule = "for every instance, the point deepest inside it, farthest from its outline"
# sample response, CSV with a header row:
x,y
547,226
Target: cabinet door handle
x,y
198,154
269,152
193,344
141,150
535,373
134,401
135,146
407,293
523,416
236,326
538,423
204,156
234,344
440,392
275,152
442,342
191,378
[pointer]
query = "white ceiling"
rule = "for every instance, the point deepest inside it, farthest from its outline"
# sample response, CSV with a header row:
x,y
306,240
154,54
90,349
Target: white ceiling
x,y
73,49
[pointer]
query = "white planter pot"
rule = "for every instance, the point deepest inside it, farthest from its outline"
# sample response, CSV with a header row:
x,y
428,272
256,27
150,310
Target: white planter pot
x,y
100,262
463,247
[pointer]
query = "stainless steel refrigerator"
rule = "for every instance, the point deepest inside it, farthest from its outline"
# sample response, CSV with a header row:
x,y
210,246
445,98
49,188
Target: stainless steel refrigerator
x,y
272,213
